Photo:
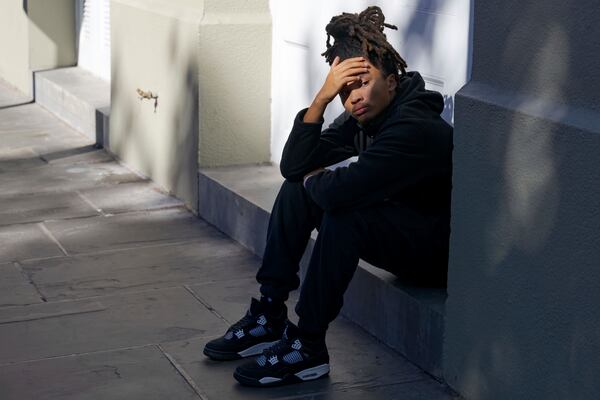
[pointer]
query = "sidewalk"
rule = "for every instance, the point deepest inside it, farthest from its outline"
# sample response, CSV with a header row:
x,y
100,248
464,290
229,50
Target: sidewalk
x,y
109,287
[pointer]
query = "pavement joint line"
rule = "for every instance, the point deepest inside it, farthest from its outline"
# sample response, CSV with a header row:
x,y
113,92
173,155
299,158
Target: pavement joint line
x,y
35,259
349,387
118,250
85,353
113,250
382,385
39,221
51,237
50,316
182,372
99,210
115,294
205,304
59,191
182,206
98,297
90,202
426,378
212,282
127,291
24,273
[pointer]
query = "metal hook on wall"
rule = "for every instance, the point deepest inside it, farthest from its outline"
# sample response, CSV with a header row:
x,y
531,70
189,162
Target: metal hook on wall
x,y
148,95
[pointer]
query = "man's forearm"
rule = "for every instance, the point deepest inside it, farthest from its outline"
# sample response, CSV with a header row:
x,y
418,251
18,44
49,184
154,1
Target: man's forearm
x,y
315,112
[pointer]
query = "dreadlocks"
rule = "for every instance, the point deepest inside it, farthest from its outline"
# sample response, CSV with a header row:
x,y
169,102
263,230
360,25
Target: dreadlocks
x,y
362,34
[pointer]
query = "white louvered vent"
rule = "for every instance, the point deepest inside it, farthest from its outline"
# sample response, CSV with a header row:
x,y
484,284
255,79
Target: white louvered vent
x,y
93,22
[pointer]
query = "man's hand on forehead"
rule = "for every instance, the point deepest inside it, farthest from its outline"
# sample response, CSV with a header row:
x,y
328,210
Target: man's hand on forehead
x,y
342,74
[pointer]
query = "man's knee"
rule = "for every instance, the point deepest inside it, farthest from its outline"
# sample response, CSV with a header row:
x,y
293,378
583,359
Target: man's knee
x,y
293,194
294,187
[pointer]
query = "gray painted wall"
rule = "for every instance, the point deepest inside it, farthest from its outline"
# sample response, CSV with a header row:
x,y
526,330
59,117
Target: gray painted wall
x,y
522,318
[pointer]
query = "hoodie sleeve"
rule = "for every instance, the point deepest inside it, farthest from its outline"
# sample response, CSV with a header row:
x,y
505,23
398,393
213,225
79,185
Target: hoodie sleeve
x,y
307,148
395,160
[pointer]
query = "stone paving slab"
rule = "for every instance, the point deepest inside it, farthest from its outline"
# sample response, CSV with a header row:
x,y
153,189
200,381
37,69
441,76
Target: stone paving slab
x,y
110,322
33,127
64,177
233,297
28,118
208,260
357,360
19,159
130,197
43,142
13,315
15,288
139,373
34,207
11,96
22,242
122,231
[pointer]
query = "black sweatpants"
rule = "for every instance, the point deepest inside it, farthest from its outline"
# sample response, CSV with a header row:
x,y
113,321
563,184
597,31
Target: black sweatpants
x,y
375,234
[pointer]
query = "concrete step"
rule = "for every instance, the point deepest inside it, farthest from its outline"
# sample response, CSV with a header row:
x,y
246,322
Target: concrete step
x,y
78,97
238,200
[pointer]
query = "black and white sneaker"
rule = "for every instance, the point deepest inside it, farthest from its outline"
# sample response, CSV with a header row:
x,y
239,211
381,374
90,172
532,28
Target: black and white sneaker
x,y
290,360
249,336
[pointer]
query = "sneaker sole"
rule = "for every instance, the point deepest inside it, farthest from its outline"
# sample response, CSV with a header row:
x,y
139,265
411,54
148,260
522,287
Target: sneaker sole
x,y
308,374
230,355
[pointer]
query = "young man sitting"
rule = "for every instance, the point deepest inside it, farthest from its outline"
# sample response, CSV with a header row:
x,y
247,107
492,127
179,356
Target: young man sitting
x,y
391,207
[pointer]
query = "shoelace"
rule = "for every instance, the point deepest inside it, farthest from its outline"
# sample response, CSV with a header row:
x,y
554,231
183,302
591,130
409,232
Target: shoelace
x,y
283,345
242,323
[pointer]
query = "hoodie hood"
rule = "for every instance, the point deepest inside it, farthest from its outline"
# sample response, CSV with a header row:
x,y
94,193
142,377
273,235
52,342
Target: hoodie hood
x,y
411,88
414,100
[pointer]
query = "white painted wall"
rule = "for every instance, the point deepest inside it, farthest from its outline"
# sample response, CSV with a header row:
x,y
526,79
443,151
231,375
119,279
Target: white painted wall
x,y
433,37
93,35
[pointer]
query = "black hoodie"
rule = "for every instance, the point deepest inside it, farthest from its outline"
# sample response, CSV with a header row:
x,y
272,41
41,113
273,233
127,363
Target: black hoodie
x,y
404,154
404,159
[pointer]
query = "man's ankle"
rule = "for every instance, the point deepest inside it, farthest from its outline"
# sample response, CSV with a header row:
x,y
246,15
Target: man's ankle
x,y
273,308
313,338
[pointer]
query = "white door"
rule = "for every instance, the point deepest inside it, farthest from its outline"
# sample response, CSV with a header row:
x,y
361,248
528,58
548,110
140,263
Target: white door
x,y
93,24
433,37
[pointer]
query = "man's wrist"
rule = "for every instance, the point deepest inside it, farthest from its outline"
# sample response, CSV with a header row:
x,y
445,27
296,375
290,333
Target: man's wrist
x,y
321,101
310,175
306,178
315,112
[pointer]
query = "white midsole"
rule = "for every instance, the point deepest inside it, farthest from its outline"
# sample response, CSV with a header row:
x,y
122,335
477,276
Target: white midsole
x,y
256,349
306,375
314,372
268,379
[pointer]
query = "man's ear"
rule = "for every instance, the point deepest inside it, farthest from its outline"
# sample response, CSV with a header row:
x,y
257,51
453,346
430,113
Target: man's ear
x,y
391,82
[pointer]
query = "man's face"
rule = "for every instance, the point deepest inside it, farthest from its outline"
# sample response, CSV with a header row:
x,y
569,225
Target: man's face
x,y
369,95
